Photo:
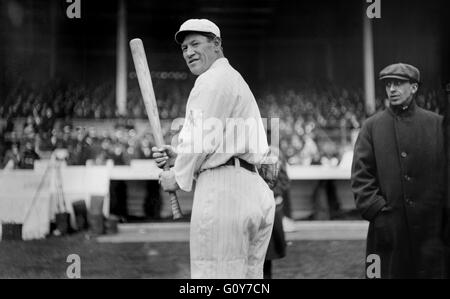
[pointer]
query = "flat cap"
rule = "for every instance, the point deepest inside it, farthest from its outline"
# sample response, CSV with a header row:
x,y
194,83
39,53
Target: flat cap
x,y
196,25
400,71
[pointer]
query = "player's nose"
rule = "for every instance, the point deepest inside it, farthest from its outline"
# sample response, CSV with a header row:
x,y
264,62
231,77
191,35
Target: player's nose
x,y
189,52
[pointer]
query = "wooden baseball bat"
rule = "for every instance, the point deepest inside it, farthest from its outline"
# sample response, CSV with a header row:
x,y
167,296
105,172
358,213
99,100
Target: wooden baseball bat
x,y
148,95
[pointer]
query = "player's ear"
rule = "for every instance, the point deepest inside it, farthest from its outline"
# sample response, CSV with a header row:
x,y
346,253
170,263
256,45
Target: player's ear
x,y
217,43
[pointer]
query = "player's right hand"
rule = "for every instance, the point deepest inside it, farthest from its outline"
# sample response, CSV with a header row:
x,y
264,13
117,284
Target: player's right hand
x,y
163,154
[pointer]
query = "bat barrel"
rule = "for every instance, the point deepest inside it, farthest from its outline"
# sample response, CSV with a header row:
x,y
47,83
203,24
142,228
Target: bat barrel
x,y
146,86
148,96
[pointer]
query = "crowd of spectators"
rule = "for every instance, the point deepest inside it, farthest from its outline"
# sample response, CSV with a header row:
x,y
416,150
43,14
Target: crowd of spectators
x,y
316,122
80,145
68,101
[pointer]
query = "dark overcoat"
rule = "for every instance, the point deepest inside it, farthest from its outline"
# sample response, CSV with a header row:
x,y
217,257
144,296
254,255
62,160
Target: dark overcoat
x,y
398,179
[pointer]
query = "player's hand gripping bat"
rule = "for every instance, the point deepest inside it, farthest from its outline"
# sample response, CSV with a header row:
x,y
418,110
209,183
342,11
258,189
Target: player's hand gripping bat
x,y
148,94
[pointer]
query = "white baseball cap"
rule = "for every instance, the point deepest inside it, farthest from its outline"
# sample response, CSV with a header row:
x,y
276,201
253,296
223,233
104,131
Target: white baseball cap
x,y
196,25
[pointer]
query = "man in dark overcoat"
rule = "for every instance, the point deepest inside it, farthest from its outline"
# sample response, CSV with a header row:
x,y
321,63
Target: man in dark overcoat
x,y
398,180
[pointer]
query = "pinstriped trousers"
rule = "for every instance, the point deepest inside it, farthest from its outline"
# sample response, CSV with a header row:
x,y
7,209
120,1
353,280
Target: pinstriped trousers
x,y
231,224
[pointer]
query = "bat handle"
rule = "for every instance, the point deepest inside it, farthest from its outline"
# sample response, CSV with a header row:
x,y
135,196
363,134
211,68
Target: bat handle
x,y
176,210
174,204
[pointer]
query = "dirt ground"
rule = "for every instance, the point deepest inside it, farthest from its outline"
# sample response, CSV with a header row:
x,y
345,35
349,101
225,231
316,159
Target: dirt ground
x,y
47,259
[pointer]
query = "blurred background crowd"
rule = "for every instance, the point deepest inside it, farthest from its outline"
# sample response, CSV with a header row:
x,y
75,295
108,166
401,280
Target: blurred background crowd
x,y
318,122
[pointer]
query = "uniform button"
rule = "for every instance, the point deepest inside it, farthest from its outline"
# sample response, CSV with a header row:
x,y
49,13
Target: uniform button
x,y
404,155
409,201
407,178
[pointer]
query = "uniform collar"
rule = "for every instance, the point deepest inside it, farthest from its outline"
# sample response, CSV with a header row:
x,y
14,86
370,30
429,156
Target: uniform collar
x,y
219,62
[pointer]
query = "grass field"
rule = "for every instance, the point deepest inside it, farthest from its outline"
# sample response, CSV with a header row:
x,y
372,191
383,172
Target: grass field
x,y
47,259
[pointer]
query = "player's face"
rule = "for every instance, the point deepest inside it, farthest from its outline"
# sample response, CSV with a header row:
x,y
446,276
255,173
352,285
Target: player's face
x,y
400,92
198,52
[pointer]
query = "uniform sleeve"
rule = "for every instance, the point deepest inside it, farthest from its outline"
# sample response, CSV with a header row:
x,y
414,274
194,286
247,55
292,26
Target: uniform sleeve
x,y
208,100
364,182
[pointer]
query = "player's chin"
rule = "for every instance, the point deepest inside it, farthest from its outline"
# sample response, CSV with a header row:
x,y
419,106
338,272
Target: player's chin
x,y
195,70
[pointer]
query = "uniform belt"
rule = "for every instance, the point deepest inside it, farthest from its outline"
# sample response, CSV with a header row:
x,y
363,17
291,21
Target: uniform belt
x,y
242,163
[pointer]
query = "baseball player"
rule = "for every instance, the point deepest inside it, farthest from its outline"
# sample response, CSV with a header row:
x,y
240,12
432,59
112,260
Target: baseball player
x,y
233,209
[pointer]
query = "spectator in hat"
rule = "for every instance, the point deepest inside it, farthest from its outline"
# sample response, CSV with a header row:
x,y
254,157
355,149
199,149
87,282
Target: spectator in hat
x,y
398,173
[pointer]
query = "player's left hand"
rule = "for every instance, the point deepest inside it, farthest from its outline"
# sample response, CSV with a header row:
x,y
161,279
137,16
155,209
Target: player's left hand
x,y
167,181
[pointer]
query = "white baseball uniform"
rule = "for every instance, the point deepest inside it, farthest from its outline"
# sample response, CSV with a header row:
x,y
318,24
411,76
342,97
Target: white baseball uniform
x,y
233,210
